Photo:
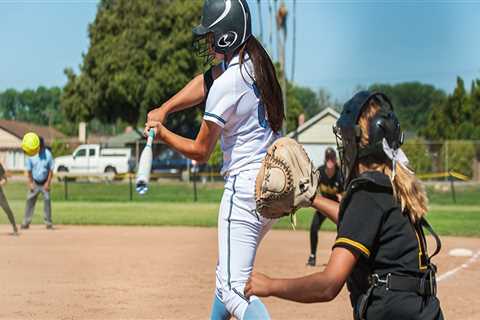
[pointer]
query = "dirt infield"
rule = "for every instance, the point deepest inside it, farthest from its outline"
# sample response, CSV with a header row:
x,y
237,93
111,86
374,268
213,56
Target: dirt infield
x,y
168,273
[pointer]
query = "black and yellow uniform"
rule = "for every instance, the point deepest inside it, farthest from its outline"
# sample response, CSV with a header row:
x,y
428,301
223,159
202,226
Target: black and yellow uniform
x,y
393,259
4,202
328,187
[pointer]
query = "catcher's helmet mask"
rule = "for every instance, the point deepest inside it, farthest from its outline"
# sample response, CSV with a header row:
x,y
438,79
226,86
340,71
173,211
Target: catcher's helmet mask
x,y
383,126
229,22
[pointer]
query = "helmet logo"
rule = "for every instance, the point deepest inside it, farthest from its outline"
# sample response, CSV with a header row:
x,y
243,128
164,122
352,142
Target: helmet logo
x,y
227,39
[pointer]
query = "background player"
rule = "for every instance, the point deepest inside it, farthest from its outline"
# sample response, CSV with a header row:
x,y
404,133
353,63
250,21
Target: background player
x,y
380,247
244,108
40,173
330,186
3,200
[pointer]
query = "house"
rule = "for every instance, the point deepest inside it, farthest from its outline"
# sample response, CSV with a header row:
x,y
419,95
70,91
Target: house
x,y
11,134
131,138
316,134
134,139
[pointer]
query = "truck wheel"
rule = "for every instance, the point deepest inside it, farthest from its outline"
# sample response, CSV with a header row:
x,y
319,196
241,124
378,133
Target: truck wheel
x,y
62,169
111,172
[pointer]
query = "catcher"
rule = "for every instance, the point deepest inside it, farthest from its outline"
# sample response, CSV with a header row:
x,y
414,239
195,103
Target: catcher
x,y
330,185
380,250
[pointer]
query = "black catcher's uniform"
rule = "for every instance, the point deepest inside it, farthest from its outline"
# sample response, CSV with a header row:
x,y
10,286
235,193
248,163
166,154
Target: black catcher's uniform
x,y
328,187
393,278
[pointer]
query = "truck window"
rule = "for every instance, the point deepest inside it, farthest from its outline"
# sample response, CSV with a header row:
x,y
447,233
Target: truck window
x,y
80,153
91,152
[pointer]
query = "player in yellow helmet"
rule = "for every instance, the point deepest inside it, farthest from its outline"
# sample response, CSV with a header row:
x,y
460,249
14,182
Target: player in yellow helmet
x,y
31,144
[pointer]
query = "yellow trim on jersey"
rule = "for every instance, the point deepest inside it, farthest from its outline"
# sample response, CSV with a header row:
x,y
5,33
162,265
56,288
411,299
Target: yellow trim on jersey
x,y
420,254
328,190
355,244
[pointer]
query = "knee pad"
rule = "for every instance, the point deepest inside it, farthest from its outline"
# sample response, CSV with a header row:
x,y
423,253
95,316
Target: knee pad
x,y
235,302
256,310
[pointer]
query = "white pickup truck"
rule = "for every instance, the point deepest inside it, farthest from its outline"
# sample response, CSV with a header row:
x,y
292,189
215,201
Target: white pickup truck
x,y
93,159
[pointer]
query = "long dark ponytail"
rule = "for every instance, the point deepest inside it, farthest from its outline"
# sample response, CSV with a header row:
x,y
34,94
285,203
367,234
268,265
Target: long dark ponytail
x,y
266,81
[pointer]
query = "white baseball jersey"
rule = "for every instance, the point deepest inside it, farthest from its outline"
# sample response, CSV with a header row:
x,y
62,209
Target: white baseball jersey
x,y
233,103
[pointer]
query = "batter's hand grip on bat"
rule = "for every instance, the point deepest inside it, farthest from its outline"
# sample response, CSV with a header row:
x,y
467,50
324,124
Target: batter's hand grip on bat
x,y
145,165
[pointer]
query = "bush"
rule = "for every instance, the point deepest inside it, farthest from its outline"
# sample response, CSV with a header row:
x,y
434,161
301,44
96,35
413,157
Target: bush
x,y
418,155
60,148
216,158
460,156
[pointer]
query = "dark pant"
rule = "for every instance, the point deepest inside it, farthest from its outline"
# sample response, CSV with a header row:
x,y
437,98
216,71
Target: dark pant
x,y
317,221
30,206
7,209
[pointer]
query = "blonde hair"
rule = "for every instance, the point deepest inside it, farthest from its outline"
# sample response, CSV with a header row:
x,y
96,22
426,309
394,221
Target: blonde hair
x,y
407,188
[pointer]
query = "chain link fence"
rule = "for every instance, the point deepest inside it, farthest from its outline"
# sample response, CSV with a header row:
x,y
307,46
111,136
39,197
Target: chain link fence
x,y
461,156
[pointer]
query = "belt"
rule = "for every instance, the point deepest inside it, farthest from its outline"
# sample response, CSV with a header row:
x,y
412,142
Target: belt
x,y
425,286
40,183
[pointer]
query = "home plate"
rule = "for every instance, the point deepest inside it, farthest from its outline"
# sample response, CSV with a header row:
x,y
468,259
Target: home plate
x,y
460,252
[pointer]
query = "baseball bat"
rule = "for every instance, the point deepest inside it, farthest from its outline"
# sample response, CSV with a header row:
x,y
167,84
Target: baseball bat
x,y
145,165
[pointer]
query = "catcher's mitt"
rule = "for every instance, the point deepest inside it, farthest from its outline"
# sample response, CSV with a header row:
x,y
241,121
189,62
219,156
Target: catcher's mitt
x,y
287,180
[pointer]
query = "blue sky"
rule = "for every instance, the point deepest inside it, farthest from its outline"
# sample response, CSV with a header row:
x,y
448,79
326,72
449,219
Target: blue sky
x,y
340,44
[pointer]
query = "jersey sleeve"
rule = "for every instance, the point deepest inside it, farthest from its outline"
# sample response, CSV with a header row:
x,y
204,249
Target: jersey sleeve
x,y
51,162
221,101
361,222
28,164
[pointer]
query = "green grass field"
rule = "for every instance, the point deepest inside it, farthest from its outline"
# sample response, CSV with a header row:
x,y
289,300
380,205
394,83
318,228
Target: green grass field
x,y
163,191
172,204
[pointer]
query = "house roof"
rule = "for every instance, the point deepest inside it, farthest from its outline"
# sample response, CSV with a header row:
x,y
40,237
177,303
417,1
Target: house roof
x,y
20,128
314,120
125,138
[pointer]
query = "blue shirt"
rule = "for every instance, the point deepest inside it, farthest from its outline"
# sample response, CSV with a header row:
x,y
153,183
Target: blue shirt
x,y
40,165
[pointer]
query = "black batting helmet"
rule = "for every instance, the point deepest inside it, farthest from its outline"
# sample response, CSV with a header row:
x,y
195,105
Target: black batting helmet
x,y
228,21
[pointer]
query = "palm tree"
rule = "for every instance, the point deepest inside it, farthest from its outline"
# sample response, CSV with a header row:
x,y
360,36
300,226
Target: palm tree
x,y
271,18
281,19
294,40
260,22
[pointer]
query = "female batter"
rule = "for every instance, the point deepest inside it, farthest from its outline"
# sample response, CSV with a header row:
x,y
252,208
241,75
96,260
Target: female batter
x,y
380,250
244,108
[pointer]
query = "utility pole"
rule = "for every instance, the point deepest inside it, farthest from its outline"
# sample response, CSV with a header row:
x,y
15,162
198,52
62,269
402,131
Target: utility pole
x,y
260,20
294,40
281,44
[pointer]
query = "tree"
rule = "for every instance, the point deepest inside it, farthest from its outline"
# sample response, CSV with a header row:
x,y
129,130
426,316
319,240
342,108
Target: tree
x,y
418,155
475,116
216,158
295,108
40,106
324,99
9,103
313,102
307,99
475,109
140,55
459,156
457,117
412,101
